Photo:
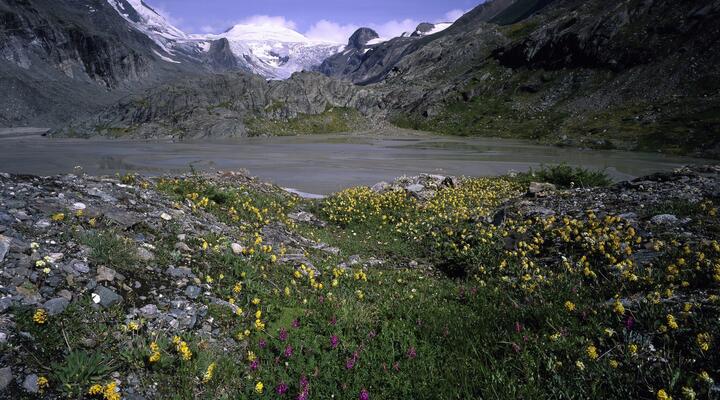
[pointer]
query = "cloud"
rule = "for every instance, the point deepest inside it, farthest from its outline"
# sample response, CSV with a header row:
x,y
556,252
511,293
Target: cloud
x,y
330,31
267,20
208,29
454,15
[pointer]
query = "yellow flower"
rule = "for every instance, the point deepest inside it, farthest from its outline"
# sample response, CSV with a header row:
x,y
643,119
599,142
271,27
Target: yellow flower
x,y
58,217
42,383
619,308
688,393
671,321
287,291
570,306
259,325
259,387
258,314
632,348
703,340
40,316
251,356
209,373
662,395
95,389
256,301
614,364
592,352
133,326
155,349
580,365
111,392
237,288
706,378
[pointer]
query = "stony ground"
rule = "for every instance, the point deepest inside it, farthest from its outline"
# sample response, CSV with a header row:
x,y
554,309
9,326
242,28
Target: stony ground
x,y
220,286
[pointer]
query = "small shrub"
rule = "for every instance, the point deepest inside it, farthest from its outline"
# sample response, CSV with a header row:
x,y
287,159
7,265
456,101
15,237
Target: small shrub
x,y
566,176
80,369
110,249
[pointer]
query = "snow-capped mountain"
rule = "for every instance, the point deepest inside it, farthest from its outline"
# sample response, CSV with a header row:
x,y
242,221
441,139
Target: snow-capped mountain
x,y
275,51
266,49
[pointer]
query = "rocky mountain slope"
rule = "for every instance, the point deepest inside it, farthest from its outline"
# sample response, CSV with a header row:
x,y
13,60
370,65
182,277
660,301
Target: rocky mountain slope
x,y
61,58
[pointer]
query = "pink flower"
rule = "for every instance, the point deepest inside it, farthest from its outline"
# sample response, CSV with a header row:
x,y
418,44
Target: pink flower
x,y
334,341
288,351
364,395
262,343
283,334
518,327
254,364
296,323
281,389
333,320
411,353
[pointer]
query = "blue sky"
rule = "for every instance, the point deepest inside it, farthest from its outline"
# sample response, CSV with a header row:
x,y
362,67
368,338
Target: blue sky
x,y
315,18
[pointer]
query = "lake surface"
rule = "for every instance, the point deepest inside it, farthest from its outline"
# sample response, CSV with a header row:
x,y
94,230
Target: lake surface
x,y
318,164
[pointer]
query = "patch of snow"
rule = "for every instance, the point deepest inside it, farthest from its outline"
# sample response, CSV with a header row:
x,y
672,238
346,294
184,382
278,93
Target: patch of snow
x,y
376,41
164,58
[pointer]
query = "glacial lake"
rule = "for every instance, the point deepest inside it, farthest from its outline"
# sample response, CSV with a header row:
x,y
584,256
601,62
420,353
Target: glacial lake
x,y
318,163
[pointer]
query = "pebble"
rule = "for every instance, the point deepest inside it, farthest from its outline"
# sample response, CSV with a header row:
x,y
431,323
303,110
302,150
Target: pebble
x,y
56,306
30,384
166,216
6,377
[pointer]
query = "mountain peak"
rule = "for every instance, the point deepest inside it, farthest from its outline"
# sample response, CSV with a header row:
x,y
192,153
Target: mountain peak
x,y
361,37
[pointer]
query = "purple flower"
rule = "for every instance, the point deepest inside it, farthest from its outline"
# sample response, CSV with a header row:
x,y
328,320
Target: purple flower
x,y
364,395
334,341
254,364
629,323
283,334
350,363
411,353
296,323
281,389
262,343
288,351
333,320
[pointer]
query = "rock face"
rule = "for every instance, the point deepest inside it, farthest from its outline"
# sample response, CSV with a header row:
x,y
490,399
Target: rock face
x,y
219,106
361,37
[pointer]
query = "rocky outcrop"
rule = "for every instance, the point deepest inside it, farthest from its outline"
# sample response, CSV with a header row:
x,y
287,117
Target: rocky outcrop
x,y
219,106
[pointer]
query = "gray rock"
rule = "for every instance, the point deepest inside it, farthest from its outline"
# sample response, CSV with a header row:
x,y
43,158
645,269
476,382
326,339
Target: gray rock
x,y
6,377
415,188
3,337
56,306
540,189
381,187
182,272
30,384
4,246
105,274
664,219
149,311
193,292
237,249
145,254
107,296
81,267
180,246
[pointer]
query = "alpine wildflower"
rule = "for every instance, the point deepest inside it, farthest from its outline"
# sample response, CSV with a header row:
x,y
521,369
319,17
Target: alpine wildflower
x,y
259,387
569,305
662,395
592,352
40,317
42,383
209,373
703,341
672,323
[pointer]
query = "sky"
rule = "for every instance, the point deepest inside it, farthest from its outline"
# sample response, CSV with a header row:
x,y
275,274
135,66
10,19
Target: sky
x,y
330,20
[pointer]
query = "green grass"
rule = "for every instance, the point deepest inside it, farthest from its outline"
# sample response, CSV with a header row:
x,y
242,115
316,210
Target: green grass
x,y
332,120
565,176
